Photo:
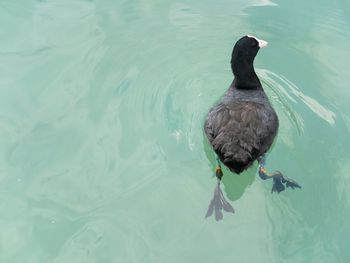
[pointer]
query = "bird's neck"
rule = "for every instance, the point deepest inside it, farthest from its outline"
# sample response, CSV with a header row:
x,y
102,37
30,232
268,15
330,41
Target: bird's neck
x,y
245,76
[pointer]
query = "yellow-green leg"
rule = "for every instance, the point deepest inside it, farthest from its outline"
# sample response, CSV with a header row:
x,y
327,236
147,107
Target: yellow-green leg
x,y
218,170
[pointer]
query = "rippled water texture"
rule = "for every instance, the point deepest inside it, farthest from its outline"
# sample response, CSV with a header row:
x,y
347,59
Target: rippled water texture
x,y
102,154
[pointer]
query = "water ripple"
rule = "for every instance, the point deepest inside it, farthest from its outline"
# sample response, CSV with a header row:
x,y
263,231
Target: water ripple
x,y
285,90
102,155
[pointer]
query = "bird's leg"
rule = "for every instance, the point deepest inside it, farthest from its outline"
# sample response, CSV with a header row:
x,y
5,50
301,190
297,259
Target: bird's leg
x,y
218,202
218,170
279,180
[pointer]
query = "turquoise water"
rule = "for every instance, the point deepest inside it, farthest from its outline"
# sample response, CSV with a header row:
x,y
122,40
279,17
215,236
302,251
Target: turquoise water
x,y
102,153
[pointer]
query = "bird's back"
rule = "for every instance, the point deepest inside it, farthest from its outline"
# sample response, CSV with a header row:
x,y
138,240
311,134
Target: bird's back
x,y
241,127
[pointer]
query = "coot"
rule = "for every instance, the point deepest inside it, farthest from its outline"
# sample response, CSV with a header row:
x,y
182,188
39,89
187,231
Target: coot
x,y
241,127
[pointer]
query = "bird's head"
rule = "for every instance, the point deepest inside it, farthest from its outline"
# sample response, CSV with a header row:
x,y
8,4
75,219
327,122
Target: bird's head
x,y
243,55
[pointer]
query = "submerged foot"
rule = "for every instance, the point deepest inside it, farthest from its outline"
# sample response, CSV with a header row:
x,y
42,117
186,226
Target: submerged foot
x,y
280,182
218,203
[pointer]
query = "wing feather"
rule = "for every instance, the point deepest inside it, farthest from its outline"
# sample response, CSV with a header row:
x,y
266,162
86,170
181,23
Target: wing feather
x,y
241,131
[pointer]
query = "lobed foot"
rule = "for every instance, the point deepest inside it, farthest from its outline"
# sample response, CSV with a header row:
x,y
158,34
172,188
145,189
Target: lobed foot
x,y
280,182
218,203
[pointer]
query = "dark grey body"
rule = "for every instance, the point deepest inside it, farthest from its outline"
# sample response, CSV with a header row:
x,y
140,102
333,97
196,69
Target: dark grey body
x,y
241,127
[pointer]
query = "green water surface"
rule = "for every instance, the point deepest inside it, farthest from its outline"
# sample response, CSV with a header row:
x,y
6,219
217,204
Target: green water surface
x,y
102,153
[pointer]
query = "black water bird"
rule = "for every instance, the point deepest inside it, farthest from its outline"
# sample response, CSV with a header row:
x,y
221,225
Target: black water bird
x,y
241,127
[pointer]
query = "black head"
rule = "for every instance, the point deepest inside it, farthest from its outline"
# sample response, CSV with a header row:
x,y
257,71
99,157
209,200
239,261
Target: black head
x,y
243,55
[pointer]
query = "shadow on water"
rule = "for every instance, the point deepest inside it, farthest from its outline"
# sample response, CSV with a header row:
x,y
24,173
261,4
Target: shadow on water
x,y
234,185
